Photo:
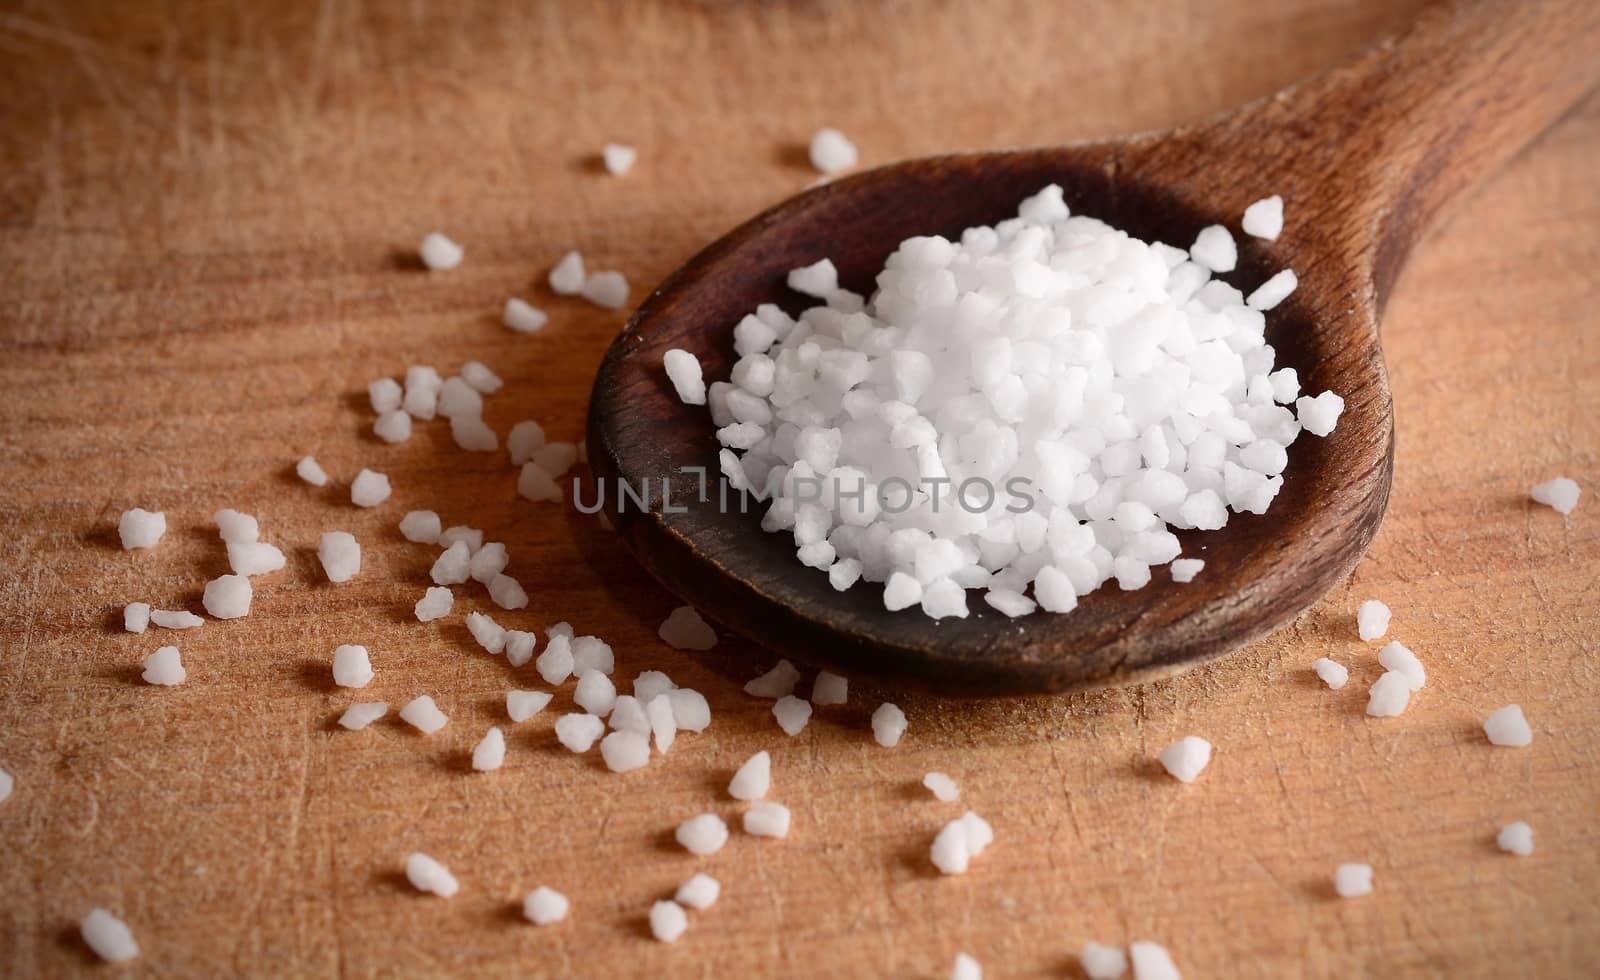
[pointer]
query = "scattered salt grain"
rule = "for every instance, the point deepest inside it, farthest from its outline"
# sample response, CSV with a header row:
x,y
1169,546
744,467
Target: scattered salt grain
x,y
607,289
1561,494
792,714
1353,880
1389,695
1214,249
392,427
471,536
254,558
567,276
435,603
702,835
888,724
595,693
519,646
227,597
523,317
1507,726
141,528
428,875
1264,218
650,683
1372,620
545,906
663,724
352,667
1319,415
507,592
525,439
966,968
453,566
537,485
831,152
522,705
1395,657
555,663
685,629
363,713
480,378
628,715
690,712
136,617
830,688
164,667
1151,961
340,555
108,936
421,526
683,369
1186,758
667,921
1010,603
619,158
1332,673
942,786
625,751
578,732
959,841
699,892
753,779
385,394
7,784
233,526
592,653
1275,290
1516,838
311,471
175,619
490,752
423,715
422,391
369,489
489,634
776,683
439,253
1102,962
1185,569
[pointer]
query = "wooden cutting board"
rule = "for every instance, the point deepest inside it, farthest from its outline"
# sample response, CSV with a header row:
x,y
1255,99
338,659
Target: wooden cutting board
x,y
208,222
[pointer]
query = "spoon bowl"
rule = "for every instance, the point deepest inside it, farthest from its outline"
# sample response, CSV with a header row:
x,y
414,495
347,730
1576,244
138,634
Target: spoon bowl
x,y
1360,186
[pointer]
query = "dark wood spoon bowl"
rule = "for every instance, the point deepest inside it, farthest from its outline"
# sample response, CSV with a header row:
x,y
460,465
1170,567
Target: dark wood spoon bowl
x,y
1364,157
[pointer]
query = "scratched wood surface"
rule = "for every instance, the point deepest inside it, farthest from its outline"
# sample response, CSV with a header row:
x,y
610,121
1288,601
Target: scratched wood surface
x,y
207,218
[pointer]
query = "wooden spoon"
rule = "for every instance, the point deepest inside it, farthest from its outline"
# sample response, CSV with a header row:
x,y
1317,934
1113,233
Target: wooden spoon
x,y
1364,157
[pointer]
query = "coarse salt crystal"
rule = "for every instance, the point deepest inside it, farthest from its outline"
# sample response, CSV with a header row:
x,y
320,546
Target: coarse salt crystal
x,y
1561,494
523,317
1332,673
1275,290
423,715
1214,248
478,375
489,634
776,683
966,968
1516,838
555,663
753,779
507,592
567,276
619,158
683,370
625,751
686,629
139,528
579,732
525,438
1372,620
490,752
519,646
628,715
537,485
311,471
831,152
667,921
1389,695
421,526
136,617
233,526
453,566
942,786
369,489
227,597
1185,569
385,394
1264,218
1151,961
254,558
7,783
164,667
392,427
1319,415
888,725
595,692
702,835
767,819
1185,758
428,875
663,723
340,555
607,289
522,705
792,714
439,253
1395,657
171,619
699,892
545,906
352,667
830,688
435,603
1101,962
650,683
471,536
690,711
458,399
363,713
1507,726
592,653
819,279
1353,880
108,936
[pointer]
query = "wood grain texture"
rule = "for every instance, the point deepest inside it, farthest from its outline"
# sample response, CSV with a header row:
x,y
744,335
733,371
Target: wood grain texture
x,y
205,213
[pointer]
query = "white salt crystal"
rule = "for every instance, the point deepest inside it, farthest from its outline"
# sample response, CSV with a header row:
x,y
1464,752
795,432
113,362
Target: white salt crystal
x,y
792,714
619,158
352,667
471,536
1389,695
966,968
537,485
1319,415
428,875
942,786
423,715
1353,880
767,819
136,617
1185,758
180,619
685,629
519,646
477,375
7,783
1214,248
567,276
683,369
1269,294
385,394
227,597
579,732
625,751
435,603
309,470
1185,569
628,715
595,693
830,688
363,713
340,555
1009,603
1333,674
979,834
1396,657
440,253
392,427
592,653
525,439
1561,494
702,835
457,399
489,634
607,289
901,592
507,592
522,705
888,724
490,752
141,528
753,779
949,852
776,683
1372,620
108,936
831,152
421,526
667,921
233,526
650,683
453,566
1054,590
555,663
819,279
699,892
545,906
164,667
1102,962
1516,838
1507,726
1264,218
690,712
1151,961
369,489
844,573
523,317
663,723
254,558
